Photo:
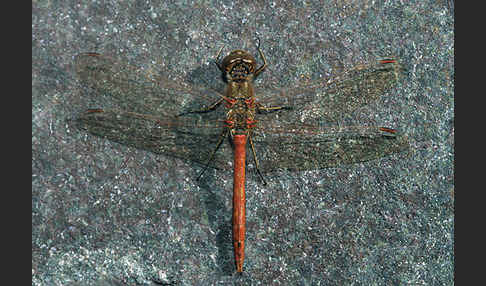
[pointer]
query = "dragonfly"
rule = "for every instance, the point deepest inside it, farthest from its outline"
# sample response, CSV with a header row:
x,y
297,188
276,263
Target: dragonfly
x,y
283,129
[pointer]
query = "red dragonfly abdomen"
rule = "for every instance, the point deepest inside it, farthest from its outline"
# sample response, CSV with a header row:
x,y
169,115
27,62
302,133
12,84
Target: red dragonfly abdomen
x,y
239,201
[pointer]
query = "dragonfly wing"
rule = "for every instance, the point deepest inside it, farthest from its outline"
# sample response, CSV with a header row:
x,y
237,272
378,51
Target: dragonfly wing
x,y
330,100
135,89
171,136
306,148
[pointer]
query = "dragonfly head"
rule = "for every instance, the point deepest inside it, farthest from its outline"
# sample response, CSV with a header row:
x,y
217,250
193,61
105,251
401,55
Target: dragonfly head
x,y
239,65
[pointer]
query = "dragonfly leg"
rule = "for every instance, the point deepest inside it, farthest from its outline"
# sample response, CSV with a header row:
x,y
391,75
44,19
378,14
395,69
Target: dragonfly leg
x,y
260,69
206,109
256,160
218,64
220,141
262,108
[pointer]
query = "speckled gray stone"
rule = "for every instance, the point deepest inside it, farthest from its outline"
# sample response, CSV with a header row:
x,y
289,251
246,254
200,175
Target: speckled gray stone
x,y
107,214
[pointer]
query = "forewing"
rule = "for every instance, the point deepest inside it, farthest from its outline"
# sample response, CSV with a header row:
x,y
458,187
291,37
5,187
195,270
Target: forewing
x,y
332,99
129,88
